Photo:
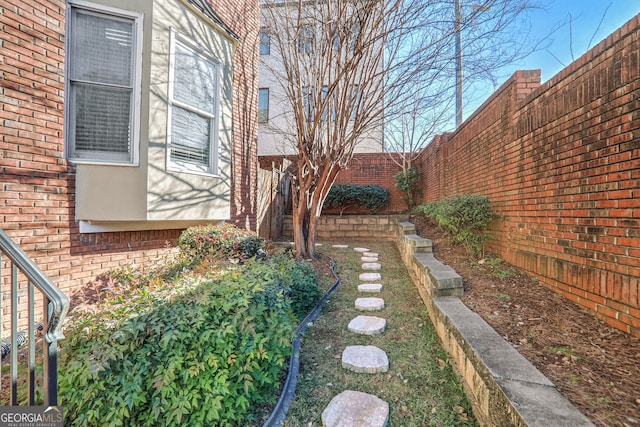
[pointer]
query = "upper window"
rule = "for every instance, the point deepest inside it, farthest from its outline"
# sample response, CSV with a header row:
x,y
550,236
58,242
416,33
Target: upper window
x,y
194,108
305,39
103,85
263,105
265,42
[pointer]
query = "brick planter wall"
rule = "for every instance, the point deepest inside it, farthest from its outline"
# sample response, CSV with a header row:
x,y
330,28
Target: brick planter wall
x,y
362,227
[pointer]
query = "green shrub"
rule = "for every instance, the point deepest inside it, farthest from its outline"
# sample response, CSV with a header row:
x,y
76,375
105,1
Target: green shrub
x,y
219,241
465,218
406,181
204,354
371,197
300,283
194,352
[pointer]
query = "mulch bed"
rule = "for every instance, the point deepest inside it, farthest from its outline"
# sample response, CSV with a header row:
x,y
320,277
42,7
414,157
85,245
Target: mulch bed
x,y
593,365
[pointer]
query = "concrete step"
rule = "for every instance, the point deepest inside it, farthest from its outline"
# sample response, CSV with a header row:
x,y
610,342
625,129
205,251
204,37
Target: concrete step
x,y
370,287
369,304
367,359
370,277
367,325
355,409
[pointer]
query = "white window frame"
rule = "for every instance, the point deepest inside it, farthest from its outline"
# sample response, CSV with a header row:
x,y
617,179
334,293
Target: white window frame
x,y
214,120
134,119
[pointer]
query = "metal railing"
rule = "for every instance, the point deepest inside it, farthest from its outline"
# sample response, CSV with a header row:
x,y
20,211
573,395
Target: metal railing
x,y
55,306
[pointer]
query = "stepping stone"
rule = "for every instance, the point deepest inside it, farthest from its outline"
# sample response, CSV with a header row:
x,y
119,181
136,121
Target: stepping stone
x,y
367,325
340,246
361,250
369,304
365,358
371,266
370,287
370,254
369,259
356,409
368,277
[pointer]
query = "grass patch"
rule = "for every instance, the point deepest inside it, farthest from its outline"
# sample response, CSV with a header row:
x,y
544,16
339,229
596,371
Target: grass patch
x,y
421,387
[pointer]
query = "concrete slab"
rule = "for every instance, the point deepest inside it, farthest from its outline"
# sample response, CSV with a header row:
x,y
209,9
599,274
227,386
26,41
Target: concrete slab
x,y
367,359
369,304
367,325
340,246
369,277
356,409
369,259
372,254
370,287
371,266
361,250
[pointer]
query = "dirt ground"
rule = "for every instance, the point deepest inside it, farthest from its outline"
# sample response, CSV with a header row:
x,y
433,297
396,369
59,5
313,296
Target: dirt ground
x,y
593,365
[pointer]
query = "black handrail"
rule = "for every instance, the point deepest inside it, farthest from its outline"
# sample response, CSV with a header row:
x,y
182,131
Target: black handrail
x,y
55,310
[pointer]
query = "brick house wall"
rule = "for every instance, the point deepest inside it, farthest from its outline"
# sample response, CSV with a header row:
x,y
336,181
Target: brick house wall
x,y
37,183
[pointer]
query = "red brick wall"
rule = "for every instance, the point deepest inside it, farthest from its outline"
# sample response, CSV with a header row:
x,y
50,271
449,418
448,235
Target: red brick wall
x,y
561,164
243,16
363,169
37,184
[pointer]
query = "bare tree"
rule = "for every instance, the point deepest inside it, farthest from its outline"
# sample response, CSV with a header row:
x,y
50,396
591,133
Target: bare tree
x,y
348,66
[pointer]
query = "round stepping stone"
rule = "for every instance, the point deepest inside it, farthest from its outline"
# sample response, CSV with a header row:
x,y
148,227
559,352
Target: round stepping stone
x,y
369,304
369,259
370,254
370,287
368,277
365,358
356,409
361,250
371,266
340,246
367,325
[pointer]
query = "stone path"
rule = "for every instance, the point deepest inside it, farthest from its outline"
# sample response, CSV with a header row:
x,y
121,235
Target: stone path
x,y
352,408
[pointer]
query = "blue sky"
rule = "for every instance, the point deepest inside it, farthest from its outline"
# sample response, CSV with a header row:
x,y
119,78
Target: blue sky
x,y
586,15
556,14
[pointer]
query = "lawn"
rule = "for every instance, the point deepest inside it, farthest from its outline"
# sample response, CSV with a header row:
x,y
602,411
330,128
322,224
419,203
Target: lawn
x,y
421,387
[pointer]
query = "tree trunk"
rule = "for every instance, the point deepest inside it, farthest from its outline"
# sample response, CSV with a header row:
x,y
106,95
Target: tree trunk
x,y
301,223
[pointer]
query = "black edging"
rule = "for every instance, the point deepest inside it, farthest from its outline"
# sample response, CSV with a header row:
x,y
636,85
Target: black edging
x,y
288,390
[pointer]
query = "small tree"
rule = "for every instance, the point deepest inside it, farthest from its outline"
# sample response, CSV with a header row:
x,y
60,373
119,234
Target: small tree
x,y
349,66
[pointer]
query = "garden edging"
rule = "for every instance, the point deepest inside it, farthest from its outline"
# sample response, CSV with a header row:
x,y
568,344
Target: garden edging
x,y
503,386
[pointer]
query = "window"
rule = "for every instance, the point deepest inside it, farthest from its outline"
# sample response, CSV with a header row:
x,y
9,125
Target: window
x,y
193,108
103,85
263,105
265,42
305,39
307,103
356,99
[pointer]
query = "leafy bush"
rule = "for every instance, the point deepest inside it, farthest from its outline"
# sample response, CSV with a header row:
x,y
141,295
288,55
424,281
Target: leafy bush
x,y
191,352
299,281
371,197
406,181
199,352
219,241
465,218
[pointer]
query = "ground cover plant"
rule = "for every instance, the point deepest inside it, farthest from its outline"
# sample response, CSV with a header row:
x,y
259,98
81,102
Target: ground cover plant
x,y
592,364
420,387
205,345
